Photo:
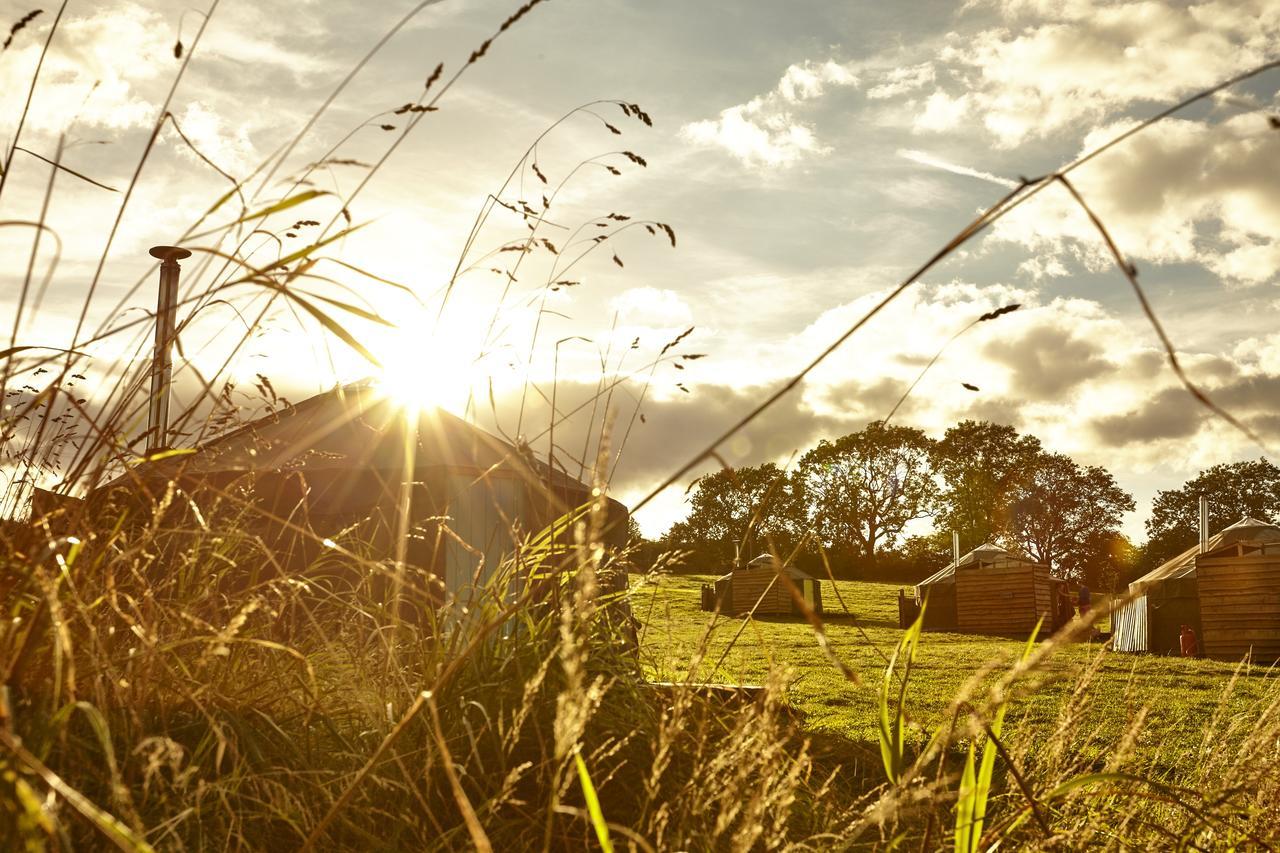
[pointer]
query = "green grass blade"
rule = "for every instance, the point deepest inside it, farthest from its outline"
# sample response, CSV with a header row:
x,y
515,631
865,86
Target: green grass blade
x,y
892,731
887,741
593,805
331,325
283,204
971,807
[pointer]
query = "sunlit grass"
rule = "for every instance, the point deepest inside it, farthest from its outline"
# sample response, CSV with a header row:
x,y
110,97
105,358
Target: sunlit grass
x,y
1181,693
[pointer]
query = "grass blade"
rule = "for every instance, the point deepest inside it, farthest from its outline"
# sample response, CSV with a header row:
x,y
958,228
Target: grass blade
x,y
892,730
593,805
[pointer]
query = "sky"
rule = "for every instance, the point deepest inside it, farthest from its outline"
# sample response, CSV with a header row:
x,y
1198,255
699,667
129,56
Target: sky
x,y
807,156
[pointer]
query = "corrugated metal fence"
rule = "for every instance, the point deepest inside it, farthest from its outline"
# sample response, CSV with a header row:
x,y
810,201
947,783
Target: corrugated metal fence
x,y
1129,627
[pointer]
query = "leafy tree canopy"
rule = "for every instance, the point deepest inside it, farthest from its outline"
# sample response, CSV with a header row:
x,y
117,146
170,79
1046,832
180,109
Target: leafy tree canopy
x,y
1068,516
983,466
758,506
864,488
1235,491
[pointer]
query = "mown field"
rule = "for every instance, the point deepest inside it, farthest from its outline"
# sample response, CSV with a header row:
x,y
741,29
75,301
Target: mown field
x,y
1183,699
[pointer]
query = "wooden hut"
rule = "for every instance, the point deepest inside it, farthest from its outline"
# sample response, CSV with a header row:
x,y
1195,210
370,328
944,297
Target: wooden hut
x,y
756,587
990,591
1227,591
349,457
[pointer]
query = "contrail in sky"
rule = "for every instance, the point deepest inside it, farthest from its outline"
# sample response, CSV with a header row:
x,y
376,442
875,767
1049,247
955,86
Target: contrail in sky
x,y
925,159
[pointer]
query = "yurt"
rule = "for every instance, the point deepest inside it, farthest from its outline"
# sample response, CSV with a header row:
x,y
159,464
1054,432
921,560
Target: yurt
x,y
349,457
758,585
1227,590
990,591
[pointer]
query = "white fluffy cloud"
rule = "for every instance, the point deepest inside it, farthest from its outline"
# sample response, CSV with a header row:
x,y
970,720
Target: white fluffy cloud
x,y
92,73
1049,66
1180,191
898,81
651,308
766,130
229,147
1084,380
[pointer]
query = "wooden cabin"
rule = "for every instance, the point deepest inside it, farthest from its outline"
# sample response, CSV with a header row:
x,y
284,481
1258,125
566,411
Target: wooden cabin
x,y
990,591
1228,592
757,588
348,457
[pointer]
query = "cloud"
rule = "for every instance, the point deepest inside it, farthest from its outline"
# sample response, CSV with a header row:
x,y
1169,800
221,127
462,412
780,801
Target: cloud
x,y
899,81
651,308
765,132
227,147
1180,191
942,112
1051,66
1169,414
1046,360
92,73
1172,413
676,427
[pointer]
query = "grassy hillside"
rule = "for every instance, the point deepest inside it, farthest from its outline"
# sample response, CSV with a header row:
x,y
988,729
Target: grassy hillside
x,y
1180,697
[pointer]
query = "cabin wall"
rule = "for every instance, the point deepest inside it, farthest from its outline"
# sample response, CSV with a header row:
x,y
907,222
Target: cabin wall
x,y
1001,600
1240,606
939,601
481,515
1170,605
750,584
1044,597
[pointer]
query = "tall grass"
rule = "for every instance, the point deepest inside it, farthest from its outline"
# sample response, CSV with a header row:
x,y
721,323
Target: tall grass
x,y
173,679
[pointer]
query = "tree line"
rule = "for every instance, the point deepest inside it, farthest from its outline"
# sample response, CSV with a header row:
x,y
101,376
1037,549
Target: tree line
x,y
850,504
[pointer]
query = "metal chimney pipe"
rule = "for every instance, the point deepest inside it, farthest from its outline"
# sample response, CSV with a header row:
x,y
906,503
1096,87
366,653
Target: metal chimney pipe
x,y
162,362
1204,524
955,548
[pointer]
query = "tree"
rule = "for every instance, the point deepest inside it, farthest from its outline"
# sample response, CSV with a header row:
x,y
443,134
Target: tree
x,y
1117,558
864,488
758,506
634,534
1235,491
983,466
1068,516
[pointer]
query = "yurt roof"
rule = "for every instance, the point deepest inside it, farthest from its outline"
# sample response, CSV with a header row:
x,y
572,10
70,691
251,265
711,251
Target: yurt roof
x,y
1184,565
984,556
350,426
766,561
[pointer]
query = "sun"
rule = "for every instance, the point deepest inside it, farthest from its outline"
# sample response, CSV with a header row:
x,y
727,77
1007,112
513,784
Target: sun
x,y
425,370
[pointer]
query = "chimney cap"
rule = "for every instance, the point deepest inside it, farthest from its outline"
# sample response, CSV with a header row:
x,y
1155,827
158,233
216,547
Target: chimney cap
x,y
169,253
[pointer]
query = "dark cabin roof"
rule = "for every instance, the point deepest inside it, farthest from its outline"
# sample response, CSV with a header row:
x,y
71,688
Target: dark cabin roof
x,y
351,427
1247,530
984,556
